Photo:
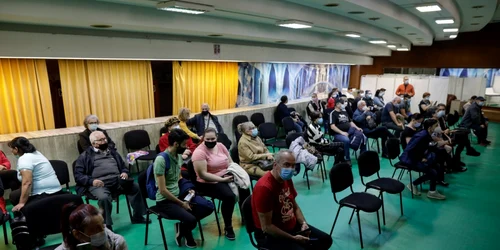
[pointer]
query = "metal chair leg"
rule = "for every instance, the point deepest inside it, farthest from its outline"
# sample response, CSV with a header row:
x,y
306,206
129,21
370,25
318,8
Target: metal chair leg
x,y
360,233
307,180
201,231
401,202
147,229
394,173
411,184
162,233
5,237
217,218
324,169
378,221
351,216
128,207
118,204
383,208
335,221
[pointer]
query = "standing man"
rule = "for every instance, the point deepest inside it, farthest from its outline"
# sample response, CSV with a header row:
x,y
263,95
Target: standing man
x,y
406,89
278,218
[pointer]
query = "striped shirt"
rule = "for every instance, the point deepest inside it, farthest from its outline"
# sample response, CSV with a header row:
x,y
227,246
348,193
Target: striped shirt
x,y
315,135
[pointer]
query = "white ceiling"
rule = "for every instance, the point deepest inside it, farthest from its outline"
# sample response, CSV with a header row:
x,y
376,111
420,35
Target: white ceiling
x,y
252,21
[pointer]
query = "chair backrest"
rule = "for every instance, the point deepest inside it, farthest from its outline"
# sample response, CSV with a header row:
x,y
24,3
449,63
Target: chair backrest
x,y
239,119
291,137
292,110
247,214
268,130
393,148
288,124
136,139
277,119
157,149
235,154
191,172
79,147
62,171
368,163
222,138
341,177
257,119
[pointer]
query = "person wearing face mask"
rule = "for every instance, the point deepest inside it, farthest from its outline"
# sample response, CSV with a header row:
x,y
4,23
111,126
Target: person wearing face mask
x,y
368,99
391,118
91,124
406,88
98,170
315,105
205,120
278,218
413,127
84,224
211,161
468,103
349,94
316,138
251,149
37,177
332,97
475,120
174,123
425,104
379,98
184,114
169,197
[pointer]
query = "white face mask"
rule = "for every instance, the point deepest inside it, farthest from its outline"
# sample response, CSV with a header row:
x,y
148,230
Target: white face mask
x,y
176,127
381,93
369,96
440,114
365,108
98,239
93,127
406,81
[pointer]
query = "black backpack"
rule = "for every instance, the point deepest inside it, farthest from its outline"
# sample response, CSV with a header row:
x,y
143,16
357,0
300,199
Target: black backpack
x,y
20,233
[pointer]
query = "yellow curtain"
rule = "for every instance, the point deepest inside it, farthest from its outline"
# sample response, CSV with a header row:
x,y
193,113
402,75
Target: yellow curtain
x,y
25,100
195,83
113,90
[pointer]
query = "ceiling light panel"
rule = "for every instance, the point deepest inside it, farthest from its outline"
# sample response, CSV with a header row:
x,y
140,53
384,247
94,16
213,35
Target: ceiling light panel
x,y
403,49
447,30
445,21
294,24
453,36
353,34
184,7
392,46
378,41
428,8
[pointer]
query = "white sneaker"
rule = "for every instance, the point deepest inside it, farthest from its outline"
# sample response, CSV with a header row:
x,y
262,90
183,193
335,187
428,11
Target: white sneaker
x,y
415,189
435,195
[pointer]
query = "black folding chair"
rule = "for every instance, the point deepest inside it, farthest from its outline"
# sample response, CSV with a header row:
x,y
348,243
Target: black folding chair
x,y
62,172
222,138
393,149
268,131
236,121
368,165
257,119
137,140
341,178
288,125
249,224
289,139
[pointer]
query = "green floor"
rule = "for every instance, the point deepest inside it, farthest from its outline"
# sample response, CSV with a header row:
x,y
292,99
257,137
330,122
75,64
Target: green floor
x,y
468,219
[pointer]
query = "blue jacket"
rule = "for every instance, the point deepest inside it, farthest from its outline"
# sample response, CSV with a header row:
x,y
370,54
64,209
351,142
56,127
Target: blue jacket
x,y
85,166
416,148
473,117
359,118
198,122
282,111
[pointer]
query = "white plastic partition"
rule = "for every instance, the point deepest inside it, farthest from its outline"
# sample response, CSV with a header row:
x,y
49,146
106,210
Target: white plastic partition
x,y
439,89
473,86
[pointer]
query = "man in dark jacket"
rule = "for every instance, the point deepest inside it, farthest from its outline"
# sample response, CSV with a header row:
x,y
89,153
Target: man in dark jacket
x,y
282,111
205,120
102,173
474,119
91,124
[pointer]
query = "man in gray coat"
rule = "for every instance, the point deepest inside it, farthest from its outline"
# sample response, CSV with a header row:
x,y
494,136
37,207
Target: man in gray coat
x,y
474,119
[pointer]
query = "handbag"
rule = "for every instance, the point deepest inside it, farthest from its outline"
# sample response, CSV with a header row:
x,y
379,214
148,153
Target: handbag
x,y
312,150
265,165
371,123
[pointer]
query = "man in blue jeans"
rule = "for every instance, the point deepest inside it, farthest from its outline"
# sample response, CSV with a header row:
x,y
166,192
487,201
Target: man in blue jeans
x,y
340,123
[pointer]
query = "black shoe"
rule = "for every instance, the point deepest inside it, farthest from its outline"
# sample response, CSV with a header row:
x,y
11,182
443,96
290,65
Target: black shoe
x,y
178,236
189,241
228,231
473,153
462,164
443,183
5,217
140,220
386,156
462,169
109,227
487,142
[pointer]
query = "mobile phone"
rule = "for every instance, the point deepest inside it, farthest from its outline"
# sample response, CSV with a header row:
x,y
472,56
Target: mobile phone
x,y
84,246
313,239
303,231
189,197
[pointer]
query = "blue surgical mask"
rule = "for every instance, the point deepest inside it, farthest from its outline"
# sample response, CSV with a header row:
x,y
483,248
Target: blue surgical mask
x,y
255,132
417,124
440,114
481,104
320,121
286,173
93,127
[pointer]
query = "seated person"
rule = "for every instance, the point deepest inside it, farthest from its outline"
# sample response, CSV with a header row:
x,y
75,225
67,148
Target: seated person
x,y
404,108
411,129
211,160
359,96
332,96
370,102
391,118
184,115
169,197
9,180
98,171
283,111
317,139
475,120
315,105
366,120
91,124
84,223
425,104
173,123
468,103
38,178
340,123
348,94
417,156
251,149
276,214
205,120
379,98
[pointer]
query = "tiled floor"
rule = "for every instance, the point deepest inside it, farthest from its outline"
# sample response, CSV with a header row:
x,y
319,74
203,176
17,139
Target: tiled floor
x,y
468,219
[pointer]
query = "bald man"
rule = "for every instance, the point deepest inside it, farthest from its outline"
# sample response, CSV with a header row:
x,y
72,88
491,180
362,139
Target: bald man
x,y
205,120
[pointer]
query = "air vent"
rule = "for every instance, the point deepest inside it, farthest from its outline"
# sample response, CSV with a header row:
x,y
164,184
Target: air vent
x,y
412,34
101,26
478,7
215,35
477,17
355,12
331,5
374,18
474,24
280,42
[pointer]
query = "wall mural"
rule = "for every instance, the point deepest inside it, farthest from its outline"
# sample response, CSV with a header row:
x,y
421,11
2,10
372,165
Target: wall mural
x,y
489,74
261,83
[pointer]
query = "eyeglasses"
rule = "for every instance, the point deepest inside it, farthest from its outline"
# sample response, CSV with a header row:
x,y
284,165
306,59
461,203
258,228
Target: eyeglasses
x,y
93,123
101,140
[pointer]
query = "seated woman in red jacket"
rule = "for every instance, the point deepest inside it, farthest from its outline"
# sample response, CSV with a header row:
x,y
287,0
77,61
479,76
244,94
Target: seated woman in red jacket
x,y
8,178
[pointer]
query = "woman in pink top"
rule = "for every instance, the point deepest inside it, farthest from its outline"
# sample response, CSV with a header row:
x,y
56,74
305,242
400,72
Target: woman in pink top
x,y
211,160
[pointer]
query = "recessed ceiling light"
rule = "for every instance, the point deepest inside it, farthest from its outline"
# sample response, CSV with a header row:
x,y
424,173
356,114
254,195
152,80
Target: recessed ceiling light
x,y
356,12
280,42
478,7
353,34
294,24
428,8
477,17
378,41
184,7
447,30
215,35
403,49
374,18
474,24
453,36
101,26
412,34
331,5
445,21
392,46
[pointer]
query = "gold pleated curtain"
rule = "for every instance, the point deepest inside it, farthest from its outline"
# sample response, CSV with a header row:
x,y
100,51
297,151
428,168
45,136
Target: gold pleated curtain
x,y
113,90
25,99
195,83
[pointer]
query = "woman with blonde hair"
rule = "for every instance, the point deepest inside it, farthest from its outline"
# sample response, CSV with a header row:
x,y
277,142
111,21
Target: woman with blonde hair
x,y
252,151
184,114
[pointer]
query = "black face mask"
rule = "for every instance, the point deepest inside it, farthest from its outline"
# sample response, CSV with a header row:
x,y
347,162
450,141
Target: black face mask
x,y
180,150
210,144
103,146
204,112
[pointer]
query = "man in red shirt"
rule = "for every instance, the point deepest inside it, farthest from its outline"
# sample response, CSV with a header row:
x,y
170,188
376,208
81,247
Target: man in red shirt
x,y
279,221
